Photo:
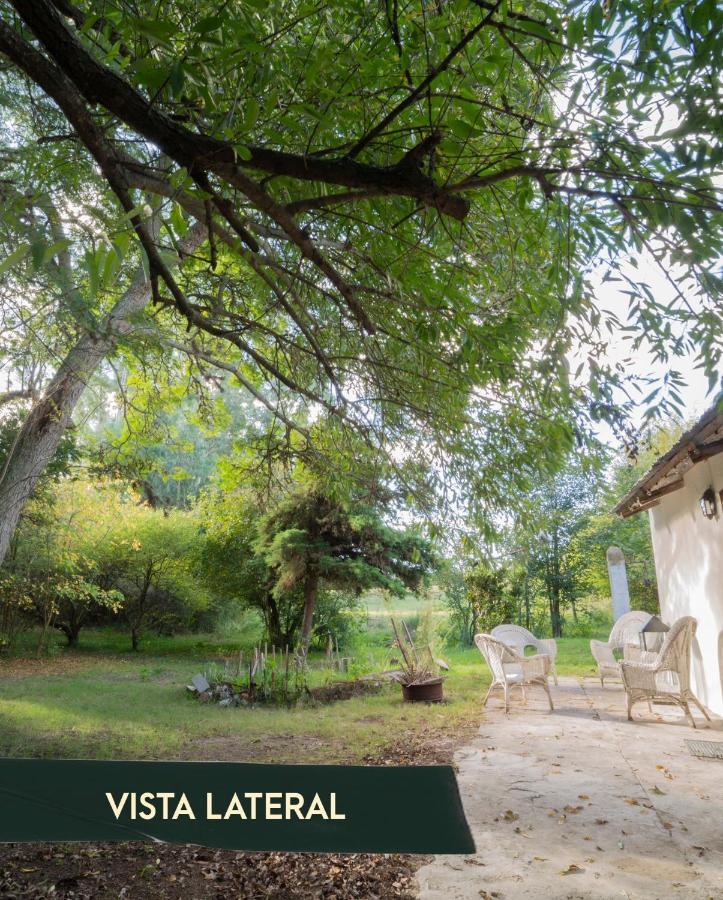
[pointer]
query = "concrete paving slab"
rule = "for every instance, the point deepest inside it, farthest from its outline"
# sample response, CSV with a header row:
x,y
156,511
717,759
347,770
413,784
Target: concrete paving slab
x,y
582,804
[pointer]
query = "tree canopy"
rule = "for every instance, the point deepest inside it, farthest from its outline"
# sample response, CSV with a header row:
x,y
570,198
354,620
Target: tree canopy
x,y
379,221
312,538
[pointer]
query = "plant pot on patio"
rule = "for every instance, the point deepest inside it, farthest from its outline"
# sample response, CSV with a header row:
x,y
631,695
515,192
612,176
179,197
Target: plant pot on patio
x,y
431,691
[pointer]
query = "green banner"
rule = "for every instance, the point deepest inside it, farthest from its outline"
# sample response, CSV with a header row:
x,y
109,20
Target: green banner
x,y
342,809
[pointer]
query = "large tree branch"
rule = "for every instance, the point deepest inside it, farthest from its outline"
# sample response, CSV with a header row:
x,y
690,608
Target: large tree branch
x,y
99,84
197,151
544,174
20,394
57,85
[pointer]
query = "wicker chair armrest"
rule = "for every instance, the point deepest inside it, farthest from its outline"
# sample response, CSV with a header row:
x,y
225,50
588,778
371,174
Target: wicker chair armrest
x,y
603,653
510,655
534,666
548,646
647,666
639,676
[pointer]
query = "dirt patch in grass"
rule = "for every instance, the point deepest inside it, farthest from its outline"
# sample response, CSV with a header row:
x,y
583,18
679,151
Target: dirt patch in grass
x,y
267,748
145,871
344,690
425,749
27,667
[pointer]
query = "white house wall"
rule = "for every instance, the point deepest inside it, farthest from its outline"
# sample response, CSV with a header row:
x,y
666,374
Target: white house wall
x,y
689,565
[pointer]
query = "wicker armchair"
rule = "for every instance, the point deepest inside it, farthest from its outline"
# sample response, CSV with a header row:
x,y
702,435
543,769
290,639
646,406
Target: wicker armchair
x,y
510,668
519,638
651,681
624,630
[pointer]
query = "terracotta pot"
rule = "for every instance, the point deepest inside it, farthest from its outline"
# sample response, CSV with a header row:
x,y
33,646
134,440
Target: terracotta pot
x,y
426,692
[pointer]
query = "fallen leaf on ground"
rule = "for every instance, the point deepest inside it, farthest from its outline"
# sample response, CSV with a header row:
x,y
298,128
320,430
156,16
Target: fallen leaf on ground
x,y
510,816
631,801
571,869
582,797
656,790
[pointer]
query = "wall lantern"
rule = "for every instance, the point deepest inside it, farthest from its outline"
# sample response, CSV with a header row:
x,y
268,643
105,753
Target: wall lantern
x,y
707,504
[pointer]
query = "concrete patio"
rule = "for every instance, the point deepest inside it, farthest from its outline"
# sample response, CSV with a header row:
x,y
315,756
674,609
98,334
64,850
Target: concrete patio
x,y
581,803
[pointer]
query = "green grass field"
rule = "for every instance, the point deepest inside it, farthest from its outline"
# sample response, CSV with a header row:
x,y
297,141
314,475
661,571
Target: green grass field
x,y
103,701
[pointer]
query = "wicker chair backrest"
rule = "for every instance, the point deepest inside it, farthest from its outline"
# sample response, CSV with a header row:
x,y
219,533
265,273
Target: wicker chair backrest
x,y
627,628
495,653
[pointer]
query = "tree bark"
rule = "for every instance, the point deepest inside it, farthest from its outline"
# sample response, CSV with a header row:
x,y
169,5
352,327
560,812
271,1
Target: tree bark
x,y
273,622
311,589
51,416
139,614
47,615
71,630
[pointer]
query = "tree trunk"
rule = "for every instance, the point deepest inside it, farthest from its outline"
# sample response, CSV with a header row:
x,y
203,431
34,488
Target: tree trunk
x,y
311,589
136,623
50,417
48,614
73,622
273,622
71,632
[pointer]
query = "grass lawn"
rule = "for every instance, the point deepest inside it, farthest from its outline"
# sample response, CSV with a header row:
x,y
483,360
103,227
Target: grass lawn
x,y
101,701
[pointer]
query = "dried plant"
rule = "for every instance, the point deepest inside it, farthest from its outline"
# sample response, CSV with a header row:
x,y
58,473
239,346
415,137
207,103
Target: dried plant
x,y
417,666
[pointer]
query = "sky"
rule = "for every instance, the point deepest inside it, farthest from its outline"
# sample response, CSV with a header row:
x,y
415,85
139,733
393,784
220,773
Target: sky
x,y
695,392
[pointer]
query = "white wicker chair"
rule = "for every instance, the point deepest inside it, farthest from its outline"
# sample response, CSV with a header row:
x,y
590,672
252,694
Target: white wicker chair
x,y
510,668
648,681
624,631
519,638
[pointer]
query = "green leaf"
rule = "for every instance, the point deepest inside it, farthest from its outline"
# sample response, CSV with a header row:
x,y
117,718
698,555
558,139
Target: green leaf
x,y
150,75
208,24
250,114
160,29
15,257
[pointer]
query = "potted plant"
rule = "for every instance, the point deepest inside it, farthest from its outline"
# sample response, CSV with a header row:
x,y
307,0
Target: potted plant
x,y
418,673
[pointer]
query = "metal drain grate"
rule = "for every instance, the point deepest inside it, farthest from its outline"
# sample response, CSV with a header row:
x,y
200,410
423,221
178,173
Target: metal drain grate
x,y
708,749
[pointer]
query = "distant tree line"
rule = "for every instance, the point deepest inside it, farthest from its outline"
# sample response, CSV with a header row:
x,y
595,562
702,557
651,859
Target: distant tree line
x,y
548,570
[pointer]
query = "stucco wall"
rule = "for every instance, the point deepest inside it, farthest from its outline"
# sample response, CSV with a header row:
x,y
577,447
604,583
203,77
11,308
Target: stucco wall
x,y
689,565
